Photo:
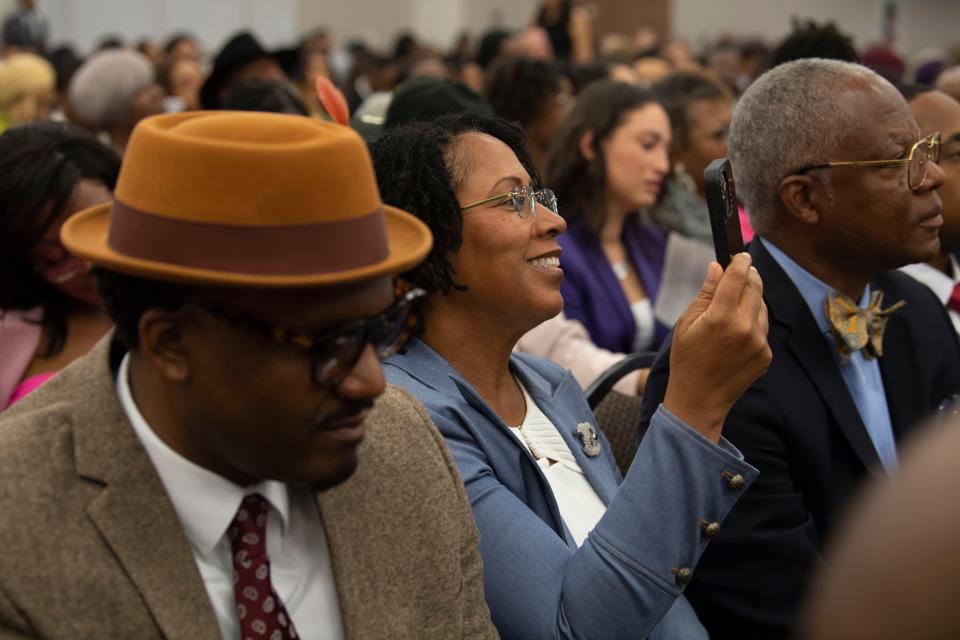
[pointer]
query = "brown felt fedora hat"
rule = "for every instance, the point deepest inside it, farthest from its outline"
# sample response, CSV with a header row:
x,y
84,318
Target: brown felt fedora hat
x,y
247,199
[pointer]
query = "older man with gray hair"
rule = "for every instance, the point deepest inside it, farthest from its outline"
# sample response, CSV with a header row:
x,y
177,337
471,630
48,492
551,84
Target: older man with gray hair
x,y
113,91
841,190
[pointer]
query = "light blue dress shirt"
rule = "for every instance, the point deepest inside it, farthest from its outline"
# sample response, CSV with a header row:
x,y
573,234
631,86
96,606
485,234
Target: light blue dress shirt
x,y
862,375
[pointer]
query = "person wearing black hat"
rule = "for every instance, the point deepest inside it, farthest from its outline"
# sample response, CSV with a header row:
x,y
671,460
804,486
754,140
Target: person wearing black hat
x,y
241,59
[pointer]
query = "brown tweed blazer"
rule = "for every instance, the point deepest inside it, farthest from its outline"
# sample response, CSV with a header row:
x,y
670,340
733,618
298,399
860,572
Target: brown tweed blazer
x,y
90,545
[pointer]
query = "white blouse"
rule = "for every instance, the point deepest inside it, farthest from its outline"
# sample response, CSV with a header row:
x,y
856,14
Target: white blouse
x,y
642,311
580,506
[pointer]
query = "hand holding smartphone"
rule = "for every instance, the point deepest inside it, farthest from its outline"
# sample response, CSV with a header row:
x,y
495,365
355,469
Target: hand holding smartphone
x,y
722,205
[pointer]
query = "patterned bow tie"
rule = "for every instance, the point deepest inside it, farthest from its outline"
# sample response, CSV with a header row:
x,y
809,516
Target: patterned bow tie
x,y
854,328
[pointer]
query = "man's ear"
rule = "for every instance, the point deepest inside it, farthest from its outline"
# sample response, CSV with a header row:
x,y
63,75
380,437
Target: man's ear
x,y
586,146
162,343
804,197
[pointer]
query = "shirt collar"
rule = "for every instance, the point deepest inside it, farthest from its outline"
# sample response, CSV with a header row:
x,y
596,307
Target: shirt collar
x,y
204,501
813,290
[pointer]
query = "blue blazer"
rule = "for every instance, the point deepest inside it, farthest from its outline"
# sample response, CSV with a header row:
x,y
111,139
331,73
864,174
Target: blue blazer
x,y
538,584
593,295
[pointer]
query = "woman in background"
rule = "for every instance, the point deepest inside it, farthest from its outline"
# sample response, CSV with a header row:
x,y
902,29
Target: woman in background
x,y
50,312
700,109
607,164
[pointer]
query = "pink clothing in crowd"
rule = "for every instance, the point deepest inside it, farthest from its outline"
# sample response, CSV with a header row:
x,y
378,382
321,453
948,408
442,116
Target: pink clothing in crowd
x,y
20,333
745,227
566,342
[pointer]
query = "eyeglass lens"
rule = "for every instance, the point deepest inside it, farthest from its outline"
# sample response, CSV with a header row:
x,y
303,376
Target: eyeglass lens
x,y
387,334
525,201
928,151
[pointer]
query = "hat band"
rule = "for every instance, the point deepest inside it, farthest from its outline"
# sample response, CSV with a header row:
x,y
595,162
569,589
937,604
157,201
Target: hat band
x,y
272,250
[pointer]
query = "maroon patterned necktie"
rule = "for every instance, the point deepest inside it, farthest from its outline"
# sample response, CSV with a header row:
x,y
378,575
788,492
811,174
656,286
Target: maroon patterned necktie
x,y
259,609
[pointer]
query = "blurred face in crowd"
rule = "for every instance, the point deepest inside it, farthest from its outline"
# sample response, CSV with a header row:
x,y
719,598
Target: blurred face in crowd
x,y
543,129
315,65
636,157
265,69
34,106
708,123
511,265
186,48
935,112
186,78
874,221
52,261
254,409
148,102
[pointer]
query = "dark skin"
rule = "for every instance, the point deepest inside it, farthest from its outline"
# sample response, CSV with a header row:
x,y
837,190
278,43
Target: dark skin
x,y
246,408
874,222
935,112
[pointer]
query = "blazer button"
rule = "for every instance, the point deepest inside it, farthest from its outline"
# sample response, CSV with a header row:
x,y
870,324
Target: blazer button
x,y
682,575
734,480
710,529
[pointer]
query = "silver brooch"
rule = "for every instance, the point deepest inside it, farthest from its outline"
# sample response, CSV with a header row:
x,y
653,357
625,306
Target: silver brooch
x,y
588,436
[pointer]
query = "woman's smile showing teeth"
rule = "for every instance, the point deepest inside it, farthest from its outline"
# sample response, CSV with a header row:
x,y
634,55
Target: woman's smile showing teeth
x,y
547,264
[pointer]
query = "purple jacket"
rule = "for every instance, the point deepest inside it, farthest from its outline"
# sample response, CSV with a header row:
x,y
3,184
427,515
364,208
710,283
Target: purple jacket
x,y
592,293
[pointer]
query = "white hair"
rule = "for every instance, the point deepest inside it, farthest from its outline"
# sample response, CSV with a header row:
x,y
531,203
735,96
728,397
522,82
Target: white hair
x,y
785,120
101,90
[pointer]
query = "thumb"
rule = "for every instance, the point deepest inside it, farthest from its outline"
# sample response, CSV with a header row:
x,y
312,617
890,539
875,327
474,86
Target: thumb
x,y
703,299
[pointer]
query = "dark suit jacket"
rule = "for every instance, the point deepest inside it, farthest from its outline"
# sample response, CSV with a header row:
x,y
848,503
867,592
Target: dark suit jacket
x,y
91,547
799,426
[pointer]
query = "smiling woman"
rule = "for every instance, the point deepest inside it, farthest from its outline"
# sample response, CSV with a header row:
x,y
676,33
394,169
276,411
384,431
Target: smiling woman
x,y
50,312
556,518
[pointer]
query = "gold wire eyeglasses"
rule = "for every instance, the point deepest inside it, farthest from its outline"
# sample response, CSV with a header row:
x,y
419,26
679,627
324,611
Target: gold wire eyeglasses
x,y
921,154
523,199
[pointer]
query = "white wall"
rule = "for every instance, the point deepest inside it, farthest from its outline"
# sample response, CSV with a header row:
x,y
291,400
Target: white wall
x,y
920,23
85,22
436,21
279,22
699,20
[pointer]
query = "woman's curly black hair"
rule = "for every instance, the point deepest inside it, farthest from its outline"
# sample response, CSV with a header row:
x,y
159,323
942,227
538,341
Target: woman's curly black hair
x,y
41,164
420,165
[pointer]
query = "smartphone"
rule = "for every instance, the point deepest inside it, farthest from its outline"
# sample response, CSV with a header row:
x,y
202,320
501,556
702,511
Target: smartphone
x,y
722,205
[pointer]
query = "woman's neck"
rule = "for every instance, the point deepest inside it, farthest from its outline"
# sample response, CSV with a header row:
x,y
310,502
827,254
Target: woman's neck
x,y
478,348
612,228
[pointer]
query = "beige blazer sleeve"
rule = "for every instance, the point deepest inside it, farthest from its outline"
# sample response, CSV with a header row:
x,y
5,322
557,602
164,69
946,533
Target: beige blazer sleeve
x,y
475,614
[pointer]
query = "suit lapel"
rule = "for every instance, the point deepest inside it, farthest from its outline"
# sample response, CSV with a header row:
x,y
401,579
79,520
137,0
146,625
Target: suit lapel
x,y
134,515
896,366
812,351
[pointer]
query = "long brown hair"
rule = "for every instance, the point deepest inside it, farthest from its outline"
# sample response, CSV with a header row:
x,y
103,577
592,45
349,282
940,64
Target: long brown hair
x,y
580,184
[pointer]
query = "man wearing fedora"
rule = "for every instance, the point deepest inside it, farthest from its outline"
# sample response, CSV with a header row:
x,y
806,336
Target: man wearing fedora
x,y
241,59
216,466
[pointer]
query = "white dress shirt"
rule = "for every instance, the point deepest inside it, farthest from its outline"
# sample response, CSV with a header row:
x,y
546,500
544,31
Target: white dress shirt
x,y
580,506
206,503
940,283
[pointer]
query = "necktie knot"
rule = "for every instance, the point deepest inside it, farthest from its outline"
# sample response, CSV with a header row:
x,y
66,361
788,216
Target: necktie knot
x,y
855,328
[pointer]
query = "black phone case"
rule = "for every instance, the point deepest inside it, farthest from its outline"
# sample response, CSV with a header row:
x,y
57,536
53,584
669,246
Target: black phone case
x,y
722,206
